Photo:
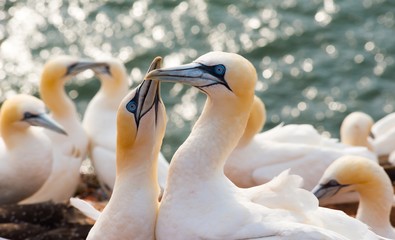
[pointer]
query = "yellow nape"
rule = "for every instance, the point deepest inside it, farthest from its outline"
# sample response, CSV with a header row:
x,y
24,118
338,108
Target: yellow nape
x,y
255,122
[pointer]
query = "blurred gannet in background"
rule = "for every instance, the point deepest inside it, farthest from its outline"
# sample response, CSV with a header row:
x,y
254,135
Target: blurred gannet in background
x,y
141,123
379,136
370,181
200,202
70,150
25,151
100,123
259,157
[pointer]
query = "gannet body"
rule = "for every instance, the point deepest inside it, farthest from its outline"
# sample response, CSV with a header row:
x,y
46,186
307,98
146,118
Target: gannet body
x,y
132,209
261,156
25,151
100,123
199,201
70,150
370,181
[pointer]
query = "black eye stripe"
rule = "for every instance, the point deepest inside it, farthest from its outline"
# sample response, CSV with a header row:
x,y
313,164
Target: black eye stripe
x,y
218,71
28,115
331,183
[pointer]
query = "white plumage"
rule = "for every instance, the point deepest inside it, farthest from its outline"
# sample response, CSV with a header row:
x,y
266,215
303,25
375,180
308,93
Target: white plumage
x,y
199,202
25,151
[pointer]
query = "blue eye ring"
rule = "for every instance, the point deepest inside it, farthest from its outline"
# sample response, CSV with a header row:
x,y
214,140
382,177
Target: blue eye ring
x,y
219,69
131,106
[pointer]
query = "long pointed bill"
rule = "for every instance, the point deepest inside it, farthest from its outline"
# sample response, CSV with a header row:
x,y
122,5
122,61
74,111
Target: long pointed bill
x,y
43,120
194,74
321,191
84,65
148,93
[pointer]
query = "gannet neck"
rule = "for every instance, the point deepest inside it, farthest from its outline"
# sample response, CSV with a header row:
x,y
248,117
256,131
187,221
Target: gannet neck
x,y
376,197
355,130
255,122
56,99
213,138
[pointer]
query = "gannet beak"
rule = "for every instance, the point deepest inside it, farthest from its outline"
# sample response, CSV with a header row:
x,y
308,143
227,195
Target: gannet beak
x,y
194,74
43,120
81,66
327,190
147,94
102,68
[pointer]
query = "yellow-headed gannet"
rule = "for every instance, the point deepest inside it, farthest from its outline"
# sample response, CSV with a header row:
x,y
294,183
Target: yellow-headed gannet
x,y
100,123
200,202
141,123
378,136
70,150
353,173
25,151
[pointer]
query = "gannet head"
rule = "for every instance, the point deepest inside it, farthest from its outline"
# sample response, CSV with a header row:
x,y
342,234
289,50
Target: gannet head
x,y
351,173
141,117
64,67
23,111
216,74
356,128
112,73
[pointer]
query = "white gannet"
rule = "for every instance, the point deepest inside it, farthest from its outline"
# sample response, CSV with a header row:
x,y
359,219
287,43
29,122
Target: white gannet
x,y
199,201
379,136
100,123
70,150
355,130
259,157
370,181
25,151
132,209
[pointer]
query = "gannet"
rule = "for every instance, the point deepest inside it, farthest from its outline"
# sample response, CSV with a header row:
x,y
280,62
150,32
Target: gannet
x,y
141,123
100,123
260,156
378,136
370,181
199,201
70,150
25,151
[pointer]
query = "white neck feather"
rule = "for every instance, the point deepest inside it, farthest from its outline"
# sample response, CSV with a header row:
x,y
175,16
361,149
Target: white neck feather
x,y
132,209
213,138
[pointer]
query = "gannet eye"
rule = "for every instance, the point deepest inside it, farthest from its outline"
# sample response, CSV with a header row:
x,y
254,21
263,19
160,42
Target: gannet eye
x,y
28,115
131,106
219,70
332,183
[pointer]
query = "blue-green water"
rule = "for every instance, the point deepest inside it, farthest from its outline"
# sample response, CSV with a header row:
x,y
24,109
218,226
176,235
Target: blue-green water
x,y
316,60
